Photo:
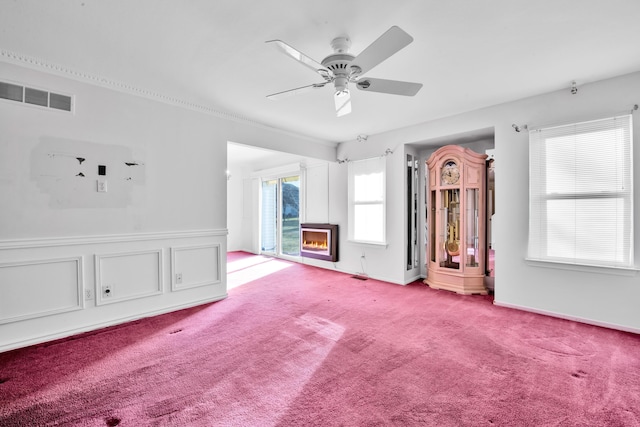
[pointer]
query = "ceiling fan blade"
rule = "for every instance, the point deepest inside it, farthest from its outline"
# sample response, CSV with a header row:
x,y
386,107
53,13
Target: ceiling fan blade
x,y
296,91
386,45
343,102
326,73
394,87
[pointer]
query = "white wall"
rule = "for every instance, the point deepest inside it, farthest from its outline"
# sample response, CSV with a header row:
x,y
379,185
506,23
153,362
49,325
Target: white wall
x,y
316,194
239,207
157,238
380,262
600,298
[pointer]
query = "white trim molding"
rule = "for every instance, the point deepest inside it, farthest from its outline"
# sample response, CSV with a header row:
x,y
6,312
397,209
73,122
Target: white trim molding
x,y
46,242
568,317
116,321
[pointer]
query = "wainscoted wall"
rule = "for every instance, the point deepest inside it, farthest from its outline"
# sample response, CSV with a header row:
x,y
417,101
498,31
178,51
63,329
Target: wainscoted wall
x,y
124,194
56,287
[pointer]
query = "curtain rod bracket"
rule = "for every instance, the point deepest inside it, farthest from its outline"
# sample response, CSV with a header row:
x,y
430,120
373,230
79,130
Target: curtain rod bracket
x,y
519,128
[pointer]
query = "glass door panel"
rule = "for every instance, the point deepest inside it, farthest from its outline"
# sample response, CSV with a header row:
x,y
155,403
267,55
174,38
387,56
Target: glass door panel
x,y
290,220
472,243
450,233
269,217
431,220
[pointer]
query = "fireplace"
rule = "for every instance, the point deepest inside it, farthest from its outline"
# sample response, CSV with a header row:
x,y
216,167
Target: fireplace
x,y
319,241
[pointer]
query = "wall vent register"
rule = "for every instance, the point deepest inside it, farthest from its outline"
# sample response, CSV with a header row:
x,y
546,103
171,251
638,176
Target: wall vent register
x,y
42,98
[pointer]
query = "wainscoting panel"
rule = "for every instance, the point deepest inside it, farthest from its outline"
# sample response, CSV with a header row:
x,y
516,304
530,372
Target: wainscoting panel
x,y
54,287
36,288
128,275
193,266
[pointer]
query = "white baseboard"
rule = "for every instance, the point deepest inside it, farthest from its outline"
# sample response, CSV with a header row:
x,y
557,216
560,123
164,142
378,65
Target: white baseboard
x,y
413,279
112,322
569,317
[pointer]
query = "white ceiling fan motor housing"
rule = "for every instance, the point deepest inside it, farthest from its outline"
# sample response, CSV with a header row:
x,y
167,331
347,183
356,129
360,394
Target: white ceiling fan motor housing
x,y
339,63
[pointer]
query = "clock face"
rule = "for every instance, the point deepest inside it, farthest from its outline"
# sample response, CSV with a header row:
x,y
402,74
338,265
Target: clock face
x,y
450,173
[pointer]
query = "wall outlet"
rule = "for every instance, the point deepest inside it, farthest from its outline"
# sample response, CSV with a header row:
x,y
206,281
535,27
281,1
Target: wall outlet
x,y
88,294
107,291
178,278
102,186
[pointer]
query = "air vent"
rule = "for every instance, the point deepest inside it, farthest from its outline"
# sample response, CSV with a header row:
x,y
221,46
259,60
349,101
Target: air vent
x,y
28,95
36,97
12,92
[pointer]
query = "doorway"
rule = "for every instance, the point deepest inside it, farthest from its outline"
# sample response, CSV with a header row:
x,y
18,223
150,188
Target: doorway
x,y
280,216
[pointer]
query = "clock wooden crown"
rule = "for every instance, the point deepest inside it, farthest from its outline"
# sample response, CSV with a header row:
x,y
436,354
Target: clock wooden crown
x,y
442,171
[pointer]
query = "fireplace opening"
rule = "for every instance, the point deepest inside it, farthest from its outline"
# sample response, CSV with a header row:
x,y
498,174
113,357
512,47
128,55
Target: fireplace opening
x,y
319,241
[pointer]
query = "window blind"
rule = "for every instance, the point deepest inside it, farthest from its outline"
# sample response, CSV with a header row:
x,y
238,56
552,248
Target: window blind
x,y
581,193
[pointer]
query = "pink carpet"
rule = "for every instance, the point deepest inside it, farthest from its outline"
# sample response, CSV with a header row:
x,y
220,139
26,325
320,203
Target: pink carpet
x,y
303,346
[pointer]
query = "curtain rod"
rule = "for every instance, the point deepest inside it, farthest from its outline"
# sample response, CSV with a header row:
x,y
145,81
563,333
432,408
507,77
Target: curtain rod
x,y
347,160
519,128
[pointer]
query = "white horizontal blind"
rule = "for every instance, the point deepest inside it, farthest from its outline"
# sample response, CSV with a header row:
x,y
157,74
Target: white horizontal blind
x,y
367,200
581,193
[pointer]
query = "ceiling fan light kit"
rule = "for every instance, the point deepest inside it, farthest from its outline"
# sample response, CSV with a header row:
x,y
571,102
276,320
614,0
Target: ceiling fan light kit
x,y
342,68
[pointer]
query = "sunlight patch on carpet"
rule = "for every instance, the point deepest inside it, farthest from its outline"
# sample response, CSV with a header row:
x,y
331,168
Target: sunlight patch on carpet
x,y
254,272
324,327
304,343
243,263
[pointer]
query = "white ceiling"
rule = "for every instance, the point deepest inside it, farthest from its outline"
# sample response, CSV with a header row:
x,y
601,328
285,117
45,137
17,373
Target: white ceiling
x,y
467,53
257,159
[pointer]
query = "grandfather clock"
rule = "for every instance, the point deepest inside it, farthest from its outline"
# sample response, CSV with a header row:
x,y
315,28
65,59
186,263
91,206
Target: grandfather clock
x,y
456,220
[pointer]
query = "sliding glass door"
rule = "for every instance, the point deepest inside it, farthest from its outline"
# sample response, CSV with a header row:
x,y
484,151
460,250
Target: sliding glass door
x,y
280,216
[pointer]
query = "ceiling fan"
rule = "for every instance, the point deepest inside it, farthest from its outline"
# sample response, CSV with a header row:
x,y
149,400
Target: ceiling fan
x,y
342,68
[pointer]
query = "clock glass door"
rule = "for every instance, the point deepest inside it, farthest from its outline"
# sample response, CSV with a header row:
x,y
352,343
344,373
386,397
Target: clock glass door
x,y
472,229
449,244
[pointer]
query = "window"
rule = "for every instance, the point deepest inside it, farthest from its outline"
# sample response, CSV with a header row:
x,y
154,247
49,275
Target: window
x,y
581,194
367,201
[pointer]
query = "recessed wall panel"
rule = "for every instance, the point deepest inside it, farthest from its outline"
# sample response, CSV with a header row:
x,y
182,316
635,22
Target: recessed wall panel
x,y
125,276
40,288
195,266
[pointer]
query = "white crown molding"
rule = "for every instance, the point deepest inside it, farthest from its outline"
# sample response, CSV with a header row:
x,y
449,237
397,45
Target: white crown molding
x,y
43,65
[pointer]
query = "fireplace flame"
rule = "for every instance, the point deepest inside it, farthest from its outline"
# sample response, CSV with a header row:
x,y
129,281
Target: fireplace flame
x,y
314,245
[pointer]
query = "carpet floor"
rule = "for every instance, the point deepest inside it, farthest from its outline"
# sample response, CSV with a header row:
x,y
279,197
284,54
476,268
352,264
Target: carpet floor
x,y
295,345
